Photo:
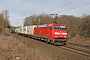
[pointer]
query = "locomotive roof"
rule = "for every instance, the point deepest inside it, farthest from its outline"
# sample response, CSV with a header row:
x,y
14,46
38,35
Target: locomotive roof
x,y
45,25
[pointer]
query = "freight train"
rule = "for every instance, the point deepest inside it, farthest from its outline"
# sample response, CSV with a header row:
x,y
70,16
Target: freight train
x,y
50,33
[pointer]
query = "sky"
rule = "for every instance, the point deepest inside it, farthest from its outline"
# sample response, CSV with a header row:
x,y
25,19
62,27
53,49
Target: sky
x,y
20,9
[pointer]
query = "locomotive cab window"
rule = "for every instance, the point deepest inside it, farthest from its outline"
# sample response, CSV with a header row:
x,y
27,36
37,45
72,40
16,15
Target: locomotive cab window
x,y
59,27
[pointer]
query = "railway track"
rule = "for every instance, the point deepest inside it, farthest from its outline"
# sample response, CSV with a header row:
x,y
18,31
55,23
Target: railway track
x,y
77,48
79,45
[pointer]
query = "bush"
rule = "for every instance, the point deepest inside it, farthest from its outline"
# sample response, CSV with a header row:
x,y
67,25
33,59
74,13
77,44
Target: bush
x,y
85,27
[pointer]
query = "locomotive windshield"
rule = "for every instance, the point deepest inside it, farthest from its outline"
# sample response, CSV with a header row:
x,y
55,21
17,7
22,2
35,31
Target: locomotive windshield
x,y
59,27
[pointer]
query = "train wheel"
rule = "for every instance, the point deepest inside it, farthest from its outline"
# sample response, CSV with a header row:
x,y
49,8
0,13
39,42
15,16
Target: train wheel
x,y
63,43
52,42
48,41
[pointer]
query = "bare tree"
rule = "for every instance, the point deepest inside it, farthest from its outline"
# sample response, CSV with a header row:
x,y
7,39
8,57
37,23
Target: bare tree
x,y
5,14
4,17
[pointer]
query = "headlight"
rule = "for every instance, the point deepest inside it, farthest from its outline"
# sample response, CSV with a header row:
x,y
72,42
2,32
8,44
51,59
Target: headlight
x,y
55,36
64,33
57,33
64,36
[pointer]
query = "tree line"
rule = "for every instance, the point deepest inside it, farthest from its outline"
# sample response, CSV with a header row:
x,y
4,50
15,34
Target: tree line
x,y
75,25
4,20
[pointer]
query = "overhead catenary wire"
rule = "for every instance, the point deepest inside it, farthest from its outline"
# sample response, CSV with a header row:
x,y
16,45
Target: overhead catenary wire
x,y
63,5
84,13
74,8
70,8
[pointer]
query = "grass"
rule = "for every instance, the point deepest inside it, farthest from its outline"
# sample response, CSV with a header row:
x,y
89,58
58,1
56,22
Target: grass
x,y
25,42
40,53
37,53
64,58
12,48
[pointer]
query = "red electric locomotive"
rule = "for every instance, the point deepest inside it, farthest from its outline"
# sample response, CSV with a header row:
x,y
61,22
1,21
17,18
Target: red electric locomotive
x,y
52,33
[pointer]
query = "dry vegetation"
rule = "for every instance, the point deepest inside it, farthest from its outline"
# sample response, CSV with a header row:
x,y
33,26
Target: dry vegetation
x,y
4,20
12,48
80,40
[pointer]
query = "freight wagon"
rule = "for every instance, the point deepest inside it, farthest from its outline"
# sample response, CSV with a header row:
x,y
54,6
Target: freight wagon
x,y
26,30
17,30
